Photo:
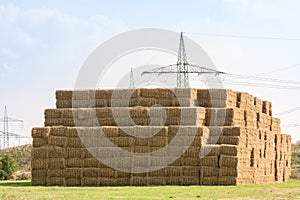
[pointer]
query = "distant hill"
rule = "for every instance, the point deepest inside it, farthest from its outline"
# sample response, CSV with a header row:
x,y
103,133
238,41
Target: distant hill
x,y
296,155
22,154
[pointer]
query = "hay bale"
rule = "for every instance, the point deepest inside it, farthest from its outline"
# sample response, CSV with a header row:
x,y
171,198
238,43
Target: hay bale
x,y
209,181
173,171
74,142
229,161
184,102
56,163
139,181
233,140
64,94
192,152
56,152
110,131
91,163
210,161
40,132
229,171
73,181
245,101
90,181
39,173
206,171
57,141
190,180
101,94
74,173
55,173
217,98
56,181
157,180
210,150
234,131
191,171
36,181
228,180
39,142
63,104
39,152
186,93
39,163
73,152
73,162
52,113
258,105
173,180
267,108
231,150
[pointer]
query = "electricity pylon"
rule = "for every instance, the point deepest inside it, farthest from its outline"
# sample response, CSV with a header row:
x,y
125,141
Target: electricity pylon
x,y
182,68
5,134
131,84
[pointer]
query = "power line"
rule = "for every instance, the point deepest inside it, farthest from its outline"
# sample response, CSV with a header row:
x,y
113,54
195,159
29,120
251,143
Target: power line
x,y
288,111
279,69
243,36
290,125
251,84
256,78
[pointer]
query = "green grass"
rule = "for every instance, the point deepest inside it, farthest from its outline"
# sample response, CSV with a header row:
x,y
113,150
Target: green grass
x,y
23,190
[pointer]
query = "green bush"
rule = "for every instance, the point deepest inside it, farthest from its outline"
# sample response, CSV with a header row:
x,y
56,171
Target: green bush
x,y
7,166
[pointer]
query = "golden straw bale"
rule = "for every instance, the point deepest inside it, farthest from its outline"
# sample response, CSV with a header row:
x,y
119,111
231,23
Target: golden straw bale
x,y
64,94
210,161
56,152
209,180
74,173
39,163
40,132
73,181
90,181
101,94
55,173
39,142
210,150
191,171
74,142
55,181
58,141
157,180
190,180
38,180
39,173
206,171
173,180
229,161
56,163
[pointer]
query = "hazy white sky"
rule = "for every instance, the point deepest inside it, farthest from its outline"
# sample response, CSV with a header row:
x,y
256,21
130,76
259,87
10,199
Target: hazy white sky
x,y
44,43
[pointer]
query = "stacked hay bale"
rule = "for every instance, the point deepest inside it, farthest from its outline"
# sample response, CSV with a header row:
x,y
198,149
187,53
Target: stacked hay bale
x,y
236,140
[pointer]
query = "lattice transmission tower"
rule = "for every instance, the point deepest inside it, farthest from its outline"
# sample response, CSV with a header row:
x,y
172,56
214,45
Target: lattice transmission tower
x,y
182,68
5,135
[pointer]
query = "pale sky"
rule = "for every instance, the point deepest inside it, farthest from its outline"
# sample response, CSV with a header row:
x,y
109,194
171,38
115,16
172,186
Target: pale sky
x,y
43,44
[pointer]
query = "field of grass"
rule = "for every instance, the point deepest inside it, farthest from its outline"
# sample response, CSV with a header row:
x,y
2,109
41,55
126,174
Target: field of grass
x,y
23,190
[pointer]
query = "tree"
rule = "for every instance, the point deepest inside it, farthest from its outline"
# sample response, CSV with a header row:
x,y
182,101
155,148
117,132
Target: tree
x,y
7,166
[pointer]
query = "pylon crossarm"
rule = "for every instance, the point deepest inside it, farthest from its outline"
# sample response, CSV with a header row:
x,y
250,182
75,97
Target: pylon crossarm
x,y
2,134
162,70
10,119
203,70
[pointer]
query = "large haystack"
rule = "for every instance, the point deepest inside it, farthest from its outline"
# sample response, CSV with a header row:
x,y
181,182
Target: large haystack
x,y
236,132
